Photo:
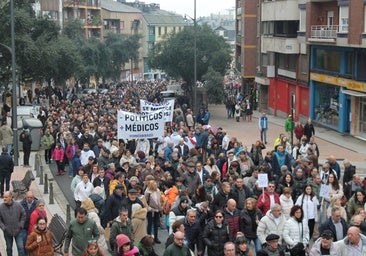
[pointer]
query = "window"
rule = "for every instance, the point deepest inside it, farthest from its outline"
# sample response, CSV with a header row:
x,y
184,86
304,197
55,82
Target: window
x,y
268,28
302,26
343,19
287,61
264,60
304,64
286,28
152,30
159,31
349,63
328,60
165,30
361,64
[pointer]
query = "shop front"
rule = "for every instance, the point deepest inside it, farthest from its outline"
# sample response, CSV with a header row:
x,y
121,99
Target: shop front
x,y
338,103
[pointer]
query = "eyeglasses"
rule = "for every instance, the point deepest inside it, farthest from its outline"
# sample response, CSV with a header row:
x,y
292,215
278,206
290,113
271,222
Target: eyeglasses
x,y
41,223
327,237
219,216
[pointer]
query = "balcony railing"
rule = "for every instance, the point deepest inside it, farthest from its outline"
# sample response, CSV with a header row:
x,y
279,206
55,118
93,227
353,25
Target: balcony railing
x,y
324,31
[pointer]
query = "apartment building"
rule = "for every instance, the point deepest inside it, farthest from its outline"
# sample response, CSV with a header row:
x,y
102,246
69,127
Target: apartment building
x,y
336,35
124,19
282,61
246,43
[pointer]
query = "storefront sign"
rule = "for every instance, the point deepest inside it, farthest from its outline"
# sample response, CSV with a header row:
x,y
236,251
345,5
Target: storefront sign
x,y
338,81
140,126
167,106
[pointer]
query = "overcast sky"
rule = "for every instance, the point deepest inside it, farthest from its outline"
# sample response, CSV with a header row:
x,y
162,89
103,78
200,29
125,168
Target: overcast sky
x,y
203,7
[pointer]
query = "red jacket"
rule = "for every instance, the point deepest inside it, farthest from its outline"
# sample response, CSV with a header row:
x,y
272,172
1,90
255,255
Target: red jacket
x,y
264,207
58,154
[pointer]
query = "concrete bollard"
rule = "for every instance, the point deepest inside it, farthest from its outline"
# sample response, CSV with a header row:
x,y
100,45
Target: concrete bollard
x,y
68,215
37,165
45,188
41,175
51,192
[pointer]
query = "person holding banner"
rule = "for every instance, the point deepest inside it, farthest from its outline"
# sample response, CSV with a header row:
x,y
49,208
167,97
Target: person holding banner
x,y
268,198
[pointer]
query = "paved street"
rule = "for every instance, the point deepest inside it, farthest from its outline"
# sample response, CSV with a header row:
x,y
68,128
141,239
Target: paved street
x,y
329,142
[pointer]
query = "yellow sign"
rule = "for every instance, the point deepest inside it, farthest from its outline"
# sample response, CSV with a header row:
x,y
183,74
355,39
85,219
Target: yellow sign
x,y
338,81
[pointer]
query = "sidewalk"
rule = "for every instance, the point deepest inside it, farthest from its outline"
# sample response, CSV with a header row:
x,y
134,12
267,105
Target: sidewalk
x,y
59,205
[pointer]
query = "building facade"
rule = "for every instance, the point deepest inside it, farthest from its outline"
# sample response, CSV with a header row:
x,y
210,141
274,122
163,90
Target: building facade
x,y
282,64
246,43
336,34
123,19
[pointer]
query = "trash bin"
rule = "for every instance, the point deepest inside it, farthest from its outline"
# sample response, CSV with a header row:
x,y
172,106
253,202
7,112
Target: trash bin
x,y
35,127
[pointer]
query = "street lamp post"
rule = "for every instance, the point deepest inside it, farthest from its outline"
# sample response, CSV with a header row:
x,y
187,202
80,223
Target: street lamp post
x,y
195,109
14,85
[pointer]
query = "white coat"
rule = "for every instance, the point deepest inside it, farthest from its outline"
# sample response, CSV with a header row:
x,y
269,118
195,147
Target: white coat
x,y
309,206
294,230
268,225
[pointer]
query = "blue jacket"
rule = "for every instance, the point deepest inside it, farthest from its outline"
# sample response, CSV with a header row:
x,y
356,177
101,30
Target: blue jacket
x,y
263,123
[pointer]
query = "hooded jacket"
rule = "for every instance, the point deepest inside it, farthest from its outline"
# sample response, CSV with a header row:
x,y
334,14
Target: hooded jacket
x,y
120,228
43,248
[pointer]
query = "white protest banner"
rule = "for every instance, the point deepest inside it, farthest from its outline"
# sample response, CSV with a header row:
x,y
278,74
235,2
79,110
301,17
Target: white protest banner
x,y
263,180
324,191
167,106
140,126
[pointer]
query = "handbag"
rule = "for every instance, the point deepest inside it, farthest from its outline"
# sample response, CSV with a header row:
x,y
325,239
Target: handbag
x,y
297,249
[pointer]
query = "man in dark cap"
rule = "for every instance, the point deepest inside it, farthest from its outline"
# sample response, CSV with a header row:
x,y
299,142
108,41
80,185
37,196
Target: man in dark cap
x,y
324,244
272,247
104,158
132,198
191,178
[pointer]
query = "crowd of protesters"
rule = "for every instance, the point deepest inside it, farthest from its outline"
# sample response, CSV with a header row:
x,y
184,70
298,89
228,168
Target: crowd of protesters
x,y
196,182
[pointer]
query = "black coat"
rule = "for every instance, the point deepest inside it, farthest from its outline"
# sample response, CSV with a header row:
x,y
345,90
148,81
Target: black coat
x,y
215,238
220,200
112,206
247,225
235,195
193,235
329,225
265,250
26,138
6,163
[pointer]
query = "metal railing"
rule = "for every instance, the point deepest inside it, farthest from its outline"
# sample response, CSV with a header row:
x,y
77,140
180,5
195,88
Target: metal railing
x,y
324,31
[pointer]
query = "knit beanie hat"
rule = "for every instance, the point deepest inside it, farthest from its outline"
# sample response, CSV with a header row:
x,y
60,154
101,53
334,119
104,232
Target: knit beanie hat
x,y
121,240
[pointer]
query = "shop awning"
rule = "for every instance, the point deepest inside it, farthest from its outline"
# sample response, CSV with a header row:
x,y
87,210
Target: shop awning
x,y
354,93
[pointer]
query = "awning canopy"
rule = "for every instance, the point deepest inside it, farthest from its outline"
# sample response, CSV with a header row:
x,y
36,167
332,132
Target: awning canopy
x,y
354,93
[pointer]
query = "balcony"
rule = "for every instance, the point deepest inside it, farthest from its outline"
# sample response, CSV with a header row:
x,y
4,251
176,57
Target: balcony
x,y
324,33
280,45
280,10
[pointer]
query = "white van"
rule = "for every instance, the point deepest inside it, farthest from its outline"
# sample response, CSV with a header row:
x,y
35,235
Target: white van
x,y
167,95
